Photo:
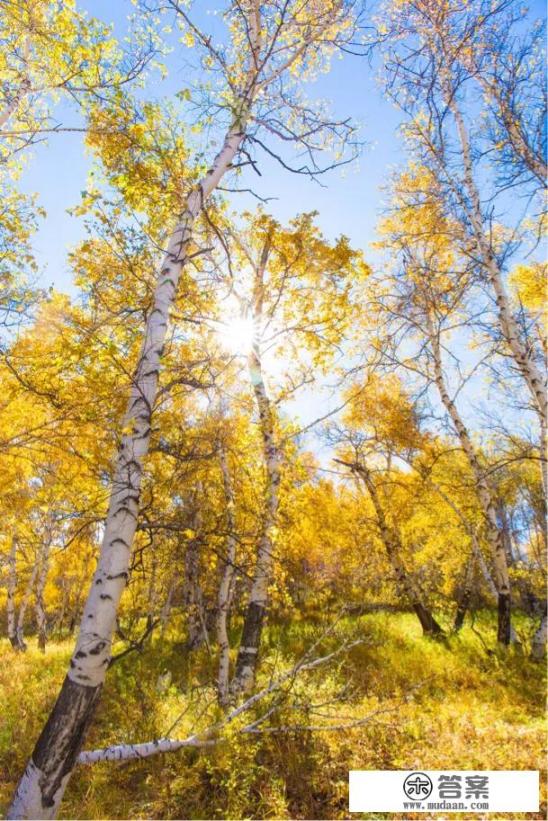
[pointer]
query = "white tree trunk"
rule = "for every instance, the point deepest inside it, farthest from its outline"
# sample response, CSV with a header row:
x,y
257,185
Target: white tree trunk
x,y
246,663
43,783
521,353
226,581
485,496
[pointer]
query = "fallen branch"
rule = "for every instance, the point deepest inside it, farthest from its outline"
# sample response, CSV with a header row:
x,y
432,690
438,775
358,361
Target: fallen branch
x,y
205,738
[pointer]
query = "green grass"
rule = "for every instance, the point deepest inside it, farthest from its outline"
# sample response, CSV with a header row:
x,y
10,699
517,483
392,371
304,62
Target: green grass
x,y
444,704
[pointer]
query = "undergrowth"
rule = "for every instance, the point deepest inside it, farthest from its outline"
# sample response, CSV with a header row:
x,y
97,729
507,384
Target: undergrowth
x,y
453,704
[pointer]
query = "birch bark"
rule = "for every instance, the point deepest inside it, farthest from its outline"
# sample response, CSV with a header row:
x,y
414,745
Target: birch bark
x,y
226,582
246,663
485,496
522,354
43,783
41,787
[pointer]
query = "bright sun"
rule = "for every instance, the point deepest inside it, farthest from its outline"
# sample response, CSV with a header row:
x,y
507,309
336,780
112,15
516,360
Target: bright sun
x,y
237,335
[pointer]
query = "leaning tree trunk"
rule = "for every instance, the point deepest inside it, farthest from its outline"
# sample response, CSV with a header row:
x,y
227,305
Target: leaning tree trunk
x,y
485,496
226,582
522,353
246,663
391,540
43,783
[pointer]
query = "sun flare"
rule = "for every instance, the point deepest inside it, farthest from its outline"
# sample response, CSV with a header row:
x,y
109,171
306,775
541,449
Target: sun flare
x,y
237,335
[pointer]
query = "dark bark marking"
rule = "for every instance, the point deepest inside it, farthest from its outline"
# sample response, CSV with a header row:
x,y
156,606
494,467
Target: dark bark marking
x,y
60,741
98,647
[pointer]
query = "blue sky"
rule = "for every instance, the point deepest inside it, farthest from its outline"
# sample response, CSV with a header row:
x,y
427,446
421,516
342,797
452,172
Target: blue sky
x,y
350,203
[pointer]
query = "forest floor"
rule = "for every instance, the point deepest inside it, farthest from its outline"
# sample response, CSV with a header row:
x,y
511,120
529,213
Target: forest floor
x,y
437,705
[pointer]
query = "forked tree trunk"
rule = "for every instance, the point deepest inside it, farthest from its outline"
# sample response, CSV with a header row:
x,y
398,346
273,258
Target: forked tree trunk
x,y
392,544
226,582
485,496
248,652
43,783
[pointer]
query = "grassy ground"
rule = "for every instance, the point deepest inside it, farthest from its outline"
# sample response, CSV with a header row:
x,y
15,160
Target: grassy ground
x,y
442,705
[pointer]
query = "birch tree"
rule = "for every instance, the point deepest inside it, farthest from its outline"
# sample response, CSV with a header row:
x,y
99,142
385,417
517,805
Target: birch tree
x,y
433,73
429,300
379,424
392,543
227,578
48,51
53,49
292,291
270,44
504,54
